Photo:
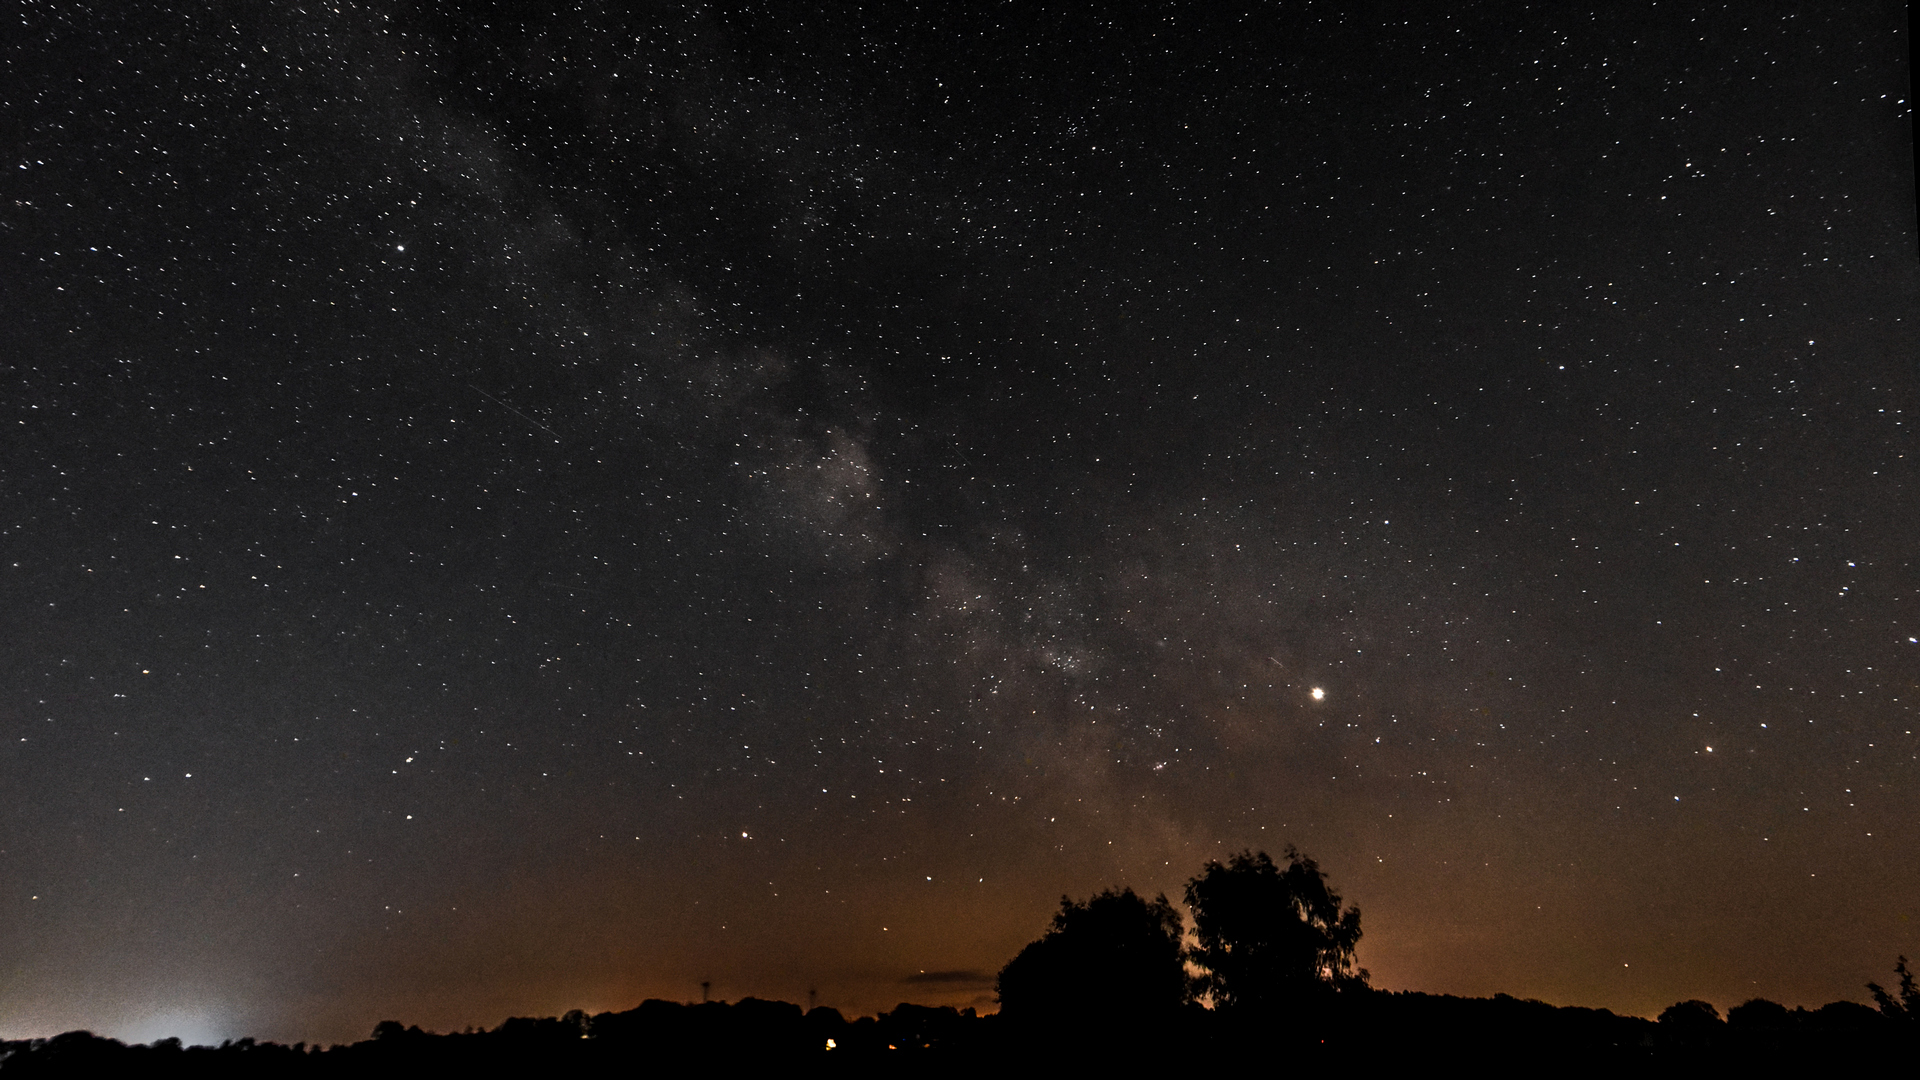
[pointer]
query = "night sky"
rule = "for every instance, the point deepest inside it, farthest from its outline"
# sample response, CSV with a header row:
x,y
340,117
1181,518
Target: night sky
x,y
508,512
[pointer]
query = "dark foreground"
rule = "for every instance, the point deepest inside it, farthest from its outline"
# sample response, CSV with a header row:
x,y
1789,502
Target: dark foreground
x,y
1365,1032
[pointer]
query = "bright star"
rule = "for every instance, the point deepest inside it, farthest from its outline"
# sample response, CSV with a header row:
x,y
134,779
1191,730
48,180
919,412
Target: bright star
x,y
1319,694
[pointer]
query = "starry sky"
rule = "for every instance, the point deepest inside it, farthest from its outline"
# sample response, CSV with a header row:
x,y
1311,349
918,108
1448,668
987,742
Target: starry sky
x,y
503,512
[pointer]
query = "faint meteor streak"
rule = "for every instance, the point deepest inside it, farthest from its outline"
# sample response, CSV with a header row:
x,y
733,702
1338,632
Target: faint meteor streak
x,y
514,411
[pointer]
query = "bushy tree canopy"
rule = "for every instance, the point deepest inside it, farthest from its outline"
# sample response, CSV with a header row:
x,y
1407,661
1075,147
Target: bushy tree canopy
x,y
1271,937
1116,957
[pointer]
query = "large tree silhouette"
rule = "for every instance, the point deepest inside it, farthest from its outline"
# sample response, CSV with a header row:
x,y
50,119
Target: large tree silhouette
x,y
1115,959
1269,937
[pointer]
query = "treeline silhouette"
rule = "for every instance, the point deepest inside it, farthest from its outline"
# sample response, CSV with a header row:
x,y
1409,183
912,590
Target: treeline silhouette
x,y
1269,978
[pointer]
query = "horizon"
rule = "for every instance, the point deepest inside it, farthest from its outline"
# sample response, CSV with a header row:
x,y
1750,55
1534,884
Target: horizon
x,y
212,1038
211,1032
515,511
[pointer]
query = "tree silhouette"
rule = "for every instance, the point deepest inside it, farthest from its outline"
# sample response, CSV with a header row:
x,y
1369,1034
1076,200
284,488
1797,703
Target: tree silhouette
x,y
1115,959
1904,1008
1271,938
1692,1023
1758,1015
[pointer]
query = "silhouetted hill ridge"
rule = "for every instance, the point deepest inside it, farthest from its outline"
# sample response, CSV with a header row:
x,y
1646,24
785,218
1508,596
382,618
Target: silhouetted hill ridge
x,y
1366,1029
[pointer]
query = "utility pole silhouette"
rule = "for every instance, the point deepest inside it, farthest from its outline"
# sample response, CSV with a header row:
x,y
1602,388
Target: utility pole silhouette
x,y
813,996
704,986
